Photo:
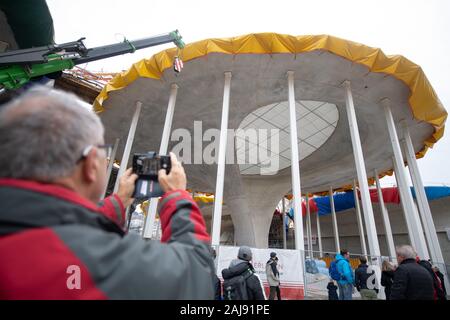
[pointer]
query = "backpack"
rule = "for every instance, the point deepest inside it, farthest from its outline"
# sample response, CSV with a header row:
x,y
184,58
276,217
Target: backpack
x,y
235,288
333,271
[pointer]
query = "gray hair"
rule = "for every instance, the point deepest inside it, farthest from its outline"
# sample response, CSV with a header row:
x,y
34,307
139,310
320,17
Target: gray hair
x,y
406,251
43,134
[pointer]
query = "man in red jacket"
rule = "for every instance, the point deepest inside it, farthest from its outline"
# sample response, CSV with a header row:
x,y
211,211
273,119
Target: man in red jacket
x,y
57,243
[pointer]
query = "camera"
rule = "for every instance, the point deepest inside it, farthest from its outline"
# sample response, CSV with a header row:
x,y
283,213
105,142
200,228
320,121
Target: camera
x,y
146,166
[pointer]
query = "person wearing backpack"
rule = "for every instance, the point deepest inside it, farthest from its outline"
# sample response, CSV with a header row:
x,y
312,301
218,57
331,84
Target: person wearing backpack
x,y
341,271
240,281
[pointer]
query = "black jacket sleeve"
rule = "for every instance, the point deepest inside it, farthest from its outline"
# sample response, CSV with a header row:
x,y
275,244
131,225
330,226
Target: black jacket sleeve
x,y
255,291
357,279
386,278
217,288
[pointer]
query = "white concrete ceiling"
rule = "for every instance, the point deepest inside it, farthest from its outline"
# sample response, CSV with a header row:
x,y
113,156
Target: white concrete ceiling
x,y
258,81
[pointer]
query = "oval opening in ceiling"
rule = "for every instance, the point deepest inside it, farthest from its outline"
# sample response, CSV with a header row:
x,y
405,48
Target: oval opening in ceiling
x,y
263,137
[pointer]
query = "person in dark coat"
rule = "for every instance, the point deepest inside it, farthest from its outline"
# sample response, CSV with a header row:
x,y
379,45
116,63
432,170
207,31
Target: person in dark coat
x,y
441,279
437,285
241,266
362,277
387,278
411,281
332,291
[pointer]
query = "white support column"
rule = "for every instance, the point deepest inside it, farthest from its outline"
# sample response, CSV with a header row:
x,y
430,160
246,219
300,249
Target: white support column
x,y
424,207
411,236
411,213
319,235
163,149
362,237
283,208
218,197
305,227
369,219
386,221
128,145
334,221
110,166
422,201
295,167
308,220
372,237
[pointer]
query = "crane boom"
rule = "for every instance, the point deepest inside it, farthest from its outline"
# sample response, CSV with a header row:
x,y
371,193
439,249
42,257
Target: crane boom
x,y
20,66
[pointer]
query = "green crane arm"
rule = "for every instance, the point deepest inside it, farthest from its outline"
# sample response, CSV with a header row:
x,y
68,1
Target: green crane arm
x,y
20,66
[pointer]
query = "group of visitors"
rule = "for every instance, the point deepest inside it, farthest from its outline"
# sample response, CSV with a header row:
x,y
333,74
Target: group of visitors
x,y
241,282
412,279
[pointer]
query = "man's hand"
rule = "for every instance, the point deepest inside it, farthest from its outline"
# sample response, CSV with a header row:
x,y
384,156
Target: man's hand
x,y
176,179
126,187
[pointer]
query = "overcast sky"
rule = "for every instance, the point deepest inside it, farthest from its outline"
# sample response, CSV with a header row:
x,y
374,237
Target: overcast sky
x,y
418,30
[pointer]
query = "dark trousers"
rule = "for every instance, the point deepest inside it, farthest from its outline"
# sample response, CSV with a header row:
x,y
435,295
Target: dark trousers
x,y
272,293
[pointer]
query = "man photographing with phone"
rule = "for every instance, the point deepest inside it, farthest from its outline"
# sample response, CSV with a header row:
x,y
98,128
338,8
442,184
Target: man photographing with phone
x,y
58,242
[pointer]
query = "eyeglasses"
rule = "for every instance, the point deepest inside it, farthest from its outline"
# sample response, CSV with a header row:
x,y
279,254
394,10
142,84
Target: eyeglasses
x,y
106,147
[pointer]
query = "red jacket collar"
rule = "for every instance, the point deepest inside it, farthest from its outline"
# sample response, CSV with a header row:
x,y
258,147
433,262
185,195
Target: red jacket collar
x,y
50,189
